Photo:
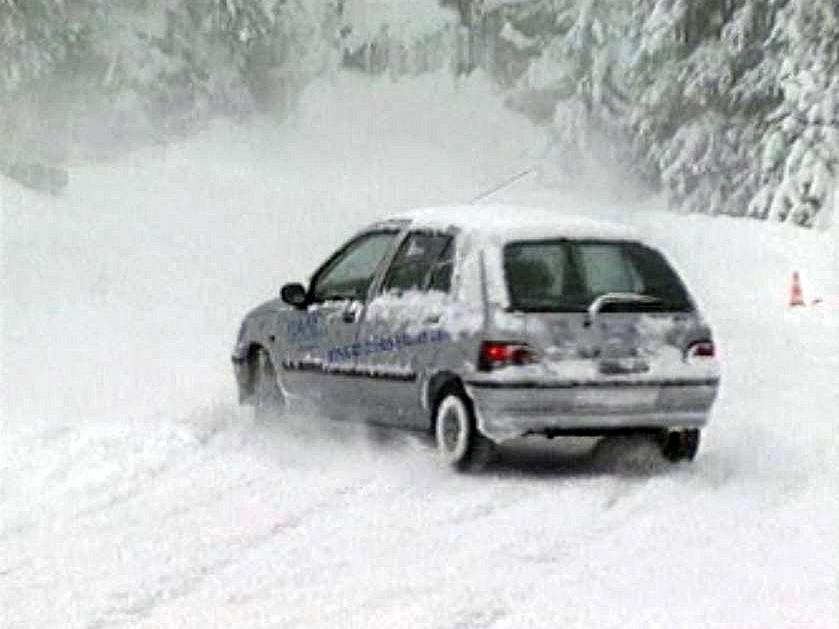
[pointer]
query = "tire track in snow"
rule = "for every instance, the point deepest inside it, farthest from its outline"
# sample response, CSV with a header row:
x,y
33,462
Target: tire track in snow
x,y
284,524
179,585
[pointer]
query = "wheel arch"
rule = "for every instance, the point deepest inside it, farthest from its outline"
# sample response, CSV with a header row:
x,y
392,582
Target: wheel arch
x,y
436,386
250,365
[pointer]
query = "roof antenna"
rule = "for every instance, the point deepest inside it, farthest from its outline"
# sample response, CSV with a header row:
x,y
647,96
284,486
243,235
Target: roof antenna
x,y
505,184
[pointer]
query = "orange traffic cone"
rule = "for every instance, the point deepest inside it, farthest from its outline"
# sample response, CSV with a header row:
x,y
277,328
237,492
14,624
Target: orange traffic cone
x,y
796,295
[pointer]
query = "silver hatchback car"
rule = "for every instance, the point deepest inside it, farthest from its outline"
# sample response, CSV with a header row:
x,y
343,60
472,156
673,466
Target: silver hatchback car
x,y
486,323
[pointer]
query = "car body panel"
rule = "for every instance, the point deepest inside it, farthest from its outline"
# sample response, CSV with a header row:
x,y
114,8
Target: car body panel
x,y
624,369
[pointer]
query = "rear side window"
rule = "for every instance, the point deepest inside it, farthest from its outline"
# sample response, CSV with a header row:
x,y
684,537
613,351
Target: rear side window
x,y
547,276
423,262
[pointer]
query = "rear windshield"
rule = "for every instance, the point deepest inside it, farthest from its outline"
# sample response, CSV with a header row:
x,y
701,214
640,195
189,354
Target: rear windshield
x,y
556,276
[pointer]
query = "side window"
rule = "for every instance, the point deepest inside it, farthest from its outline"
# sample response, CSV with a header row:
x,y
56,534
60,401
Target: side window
x,y
423,262
349,274
441,271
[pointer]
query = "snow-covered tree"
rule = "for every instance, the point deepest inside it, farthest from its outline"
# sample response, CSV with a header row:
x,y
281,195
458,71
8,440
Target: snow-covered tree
x,y
799,163
682,118
727,106
400,36
184,60
39,40
302,43
581,61
34,40
573,81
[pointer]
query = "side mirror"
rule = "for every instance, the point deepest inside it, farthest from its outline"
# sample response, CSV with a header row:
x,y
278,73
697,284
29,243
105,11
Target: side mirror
x,y
293,295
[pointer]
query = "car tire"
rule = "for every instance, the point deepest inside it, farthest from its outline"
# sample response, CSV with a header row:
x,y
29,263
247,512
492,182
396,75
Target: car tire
x,y
680,445
268,399
459,443
629,455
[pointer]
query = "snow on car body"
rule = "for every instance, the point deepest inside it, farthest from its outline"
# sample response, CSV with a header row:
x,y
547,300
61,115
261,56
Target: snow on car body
x,y
485,323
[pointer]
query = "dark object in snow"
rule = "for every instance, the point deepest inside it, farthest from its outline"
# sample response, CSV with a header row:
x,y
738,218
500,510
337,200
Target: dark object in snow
x,y
39,177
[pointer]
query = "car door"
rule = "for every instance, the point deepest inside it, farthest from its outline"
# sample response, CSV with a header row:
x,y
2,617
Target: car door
x,y
403,326
322,349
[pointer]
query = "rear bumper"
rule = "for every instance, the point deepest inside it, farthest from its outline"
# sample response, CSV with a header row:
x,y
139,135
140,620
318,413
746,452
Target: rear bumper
x,y
506,410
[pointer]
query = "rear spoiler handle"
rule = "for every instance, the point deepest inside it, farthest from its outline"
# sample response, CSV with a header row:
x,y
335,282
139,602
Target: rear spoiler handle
x,y
614,298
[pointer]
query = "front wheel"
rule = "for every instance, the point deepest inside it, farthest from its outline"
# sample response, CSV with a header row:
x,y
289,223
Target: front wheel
x,y
268,400
680,445
459,442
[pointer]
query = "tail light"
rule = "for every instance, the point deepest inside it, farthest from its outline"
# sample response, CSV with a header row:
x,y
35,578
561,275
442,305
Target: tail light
x,y
700,350
497,354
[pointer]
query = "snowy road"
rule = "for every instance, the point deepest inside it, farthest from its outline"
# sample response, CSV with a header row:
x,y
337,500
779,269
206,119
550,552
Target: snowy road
x,y
216,521
134,493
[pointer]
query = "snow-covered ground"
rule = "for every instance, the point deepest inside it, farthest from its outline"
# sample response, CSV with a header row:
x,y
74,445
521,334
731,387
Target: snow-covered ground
x,y
134,492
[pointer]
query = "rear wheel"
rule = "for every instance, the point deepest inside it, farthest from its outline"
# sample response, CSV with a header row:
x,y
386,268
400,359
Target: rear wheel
x,y
680,445
459,442
268,400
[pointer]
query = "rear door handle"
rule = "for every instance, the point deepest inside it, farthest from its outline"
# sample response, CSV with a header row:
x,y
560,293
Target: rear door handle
x,y
435,318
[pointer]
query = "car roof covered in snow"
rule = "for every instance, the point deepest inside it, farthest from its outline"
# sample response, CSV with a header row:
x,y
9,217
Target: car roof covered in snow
x,y
512,222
